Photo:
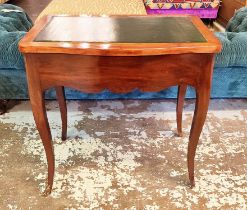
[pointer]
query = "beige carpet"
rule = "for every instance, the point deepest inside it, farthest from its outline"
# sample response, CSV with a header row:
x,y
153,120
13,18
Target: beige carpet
x,y
94,7
125,155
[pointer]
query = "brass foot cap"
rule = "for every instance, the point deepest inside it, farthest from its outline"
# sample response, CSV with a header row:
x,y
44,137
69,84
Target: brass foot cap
x,y
47,191
192,184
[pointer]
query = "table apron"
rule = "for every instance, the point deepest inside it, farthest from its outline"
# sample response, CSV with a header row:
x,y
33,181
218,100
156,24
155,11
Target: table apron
x,y
120,74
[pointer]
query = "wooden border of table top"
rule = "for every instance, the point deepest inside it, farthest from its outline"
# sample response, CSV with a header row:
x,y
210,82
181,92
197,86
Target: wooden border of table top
x,y
27,44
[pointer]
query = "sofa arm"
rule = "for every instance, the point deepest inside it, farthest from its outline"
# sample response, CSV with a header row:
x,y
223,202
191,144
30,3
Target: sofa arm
x,y
234,49
14,23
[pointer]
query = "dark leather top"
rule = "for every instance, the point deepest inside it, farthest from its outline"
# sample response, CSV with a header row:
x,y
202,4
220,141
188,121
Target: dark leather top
x,y
121,29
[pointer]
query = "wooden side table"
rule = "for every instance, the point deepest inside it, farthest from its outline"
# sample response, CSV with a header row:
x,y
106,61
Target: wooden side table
x,y
119,53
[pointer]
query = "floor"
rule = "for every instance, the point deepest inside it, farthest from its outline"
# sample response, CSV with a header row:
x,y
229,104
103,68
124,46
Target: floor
x,y
125,155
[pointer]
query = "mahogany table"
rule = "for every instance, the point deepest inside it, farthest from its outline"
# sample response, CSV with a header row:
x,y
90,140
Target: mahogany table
x,y
119,53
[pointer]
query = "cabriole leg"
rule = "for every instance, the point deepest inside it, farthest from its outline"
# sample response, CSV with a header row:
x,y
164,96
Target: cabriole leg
x,y
180,105
63,109
40,117
200,113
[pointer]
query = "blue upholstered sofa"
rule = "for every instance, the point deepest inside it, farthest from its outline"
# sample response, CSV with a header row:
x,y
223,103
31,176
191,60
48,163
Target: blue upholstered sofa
x,y
229,79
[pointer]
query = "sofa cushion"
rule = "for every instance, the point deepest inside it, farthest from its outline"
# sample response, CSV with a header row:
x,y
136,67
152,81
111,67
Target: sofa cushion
x,y
234,41
234,49
94,7
14,23
238,23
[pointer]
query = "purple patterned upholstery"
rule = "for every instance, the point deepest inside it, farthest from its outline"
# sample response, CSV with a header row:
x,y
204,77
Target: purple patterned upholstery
x,y
202,13
201,8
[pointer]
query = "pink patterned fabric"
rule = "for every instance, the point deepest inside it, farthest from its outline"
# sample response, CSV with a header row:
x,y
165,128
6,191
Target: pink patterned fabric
x,y
182,4
202,13
201,8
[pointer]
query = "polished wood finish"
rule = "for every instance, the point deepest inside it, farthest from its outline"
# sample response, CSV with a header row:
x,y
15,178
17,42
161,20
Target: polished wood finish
x,y
120,68
29,45
228,8
36,95
180,105
118,74
63,109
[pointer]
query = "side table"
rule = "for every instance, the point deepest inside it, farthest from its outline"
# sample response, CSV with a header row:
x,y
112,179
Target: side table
x,y
119,53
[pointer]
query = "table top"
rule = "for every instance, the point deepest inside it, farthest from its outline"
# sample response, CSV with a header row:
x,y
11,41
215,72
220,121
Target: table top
x,y
120,30
120,35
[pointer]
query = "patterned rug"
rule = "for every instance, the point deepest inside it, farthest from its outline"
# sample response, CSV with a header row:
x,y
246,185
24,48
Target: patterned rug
x,y
125,155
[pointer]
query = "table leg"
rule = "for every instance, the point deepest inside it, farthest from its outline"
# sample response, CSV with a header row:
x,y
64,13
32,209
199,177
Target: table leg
x,y
200,113
63,109
180,104
40,117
